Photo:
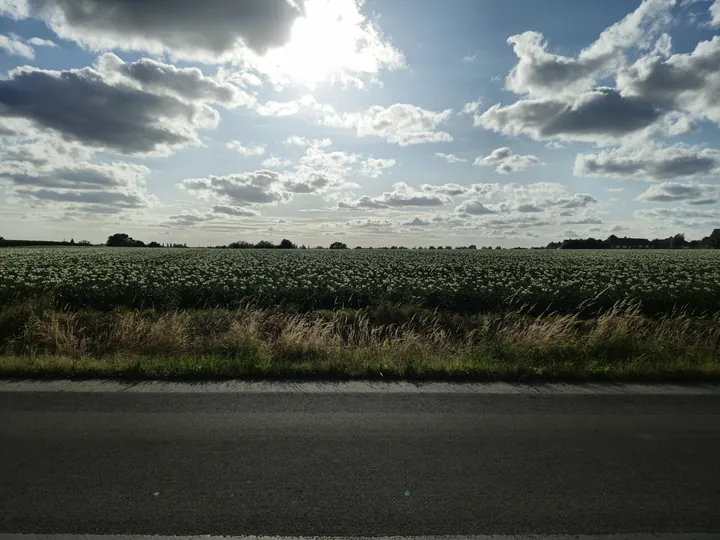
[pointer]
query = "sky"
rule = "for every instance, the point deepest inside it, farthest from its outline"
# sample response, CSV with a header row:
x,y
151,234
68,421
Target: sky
x,y
374,123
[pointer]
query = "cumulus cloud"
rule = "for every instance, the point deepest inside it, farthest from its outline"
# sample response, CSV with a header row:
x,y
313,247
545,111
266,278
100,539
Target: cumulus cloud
x,y
694,194
664,214
188,84
599,115
16,47
249,150
400,123
471,107
561,96
262,187
450,158
685,82
258,187
210,34
541,74
473,207
715,13
651,162
75,102
416,222
505,162
274,162
402,195
530,198
49,171
374,167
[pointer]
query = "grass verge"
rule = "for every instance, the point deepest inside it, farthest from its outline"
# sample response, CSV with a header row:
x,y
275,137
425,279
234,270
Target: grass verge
x,y
384,343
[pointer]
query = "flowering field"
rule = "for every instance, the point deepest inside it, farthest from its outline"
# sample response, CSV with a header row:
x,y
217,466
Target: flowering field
x,y
458,280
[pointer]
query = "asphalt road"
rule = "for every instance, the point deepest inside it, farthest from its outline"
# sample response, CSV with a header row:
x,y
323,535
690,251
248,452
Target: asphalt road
x,y
358,464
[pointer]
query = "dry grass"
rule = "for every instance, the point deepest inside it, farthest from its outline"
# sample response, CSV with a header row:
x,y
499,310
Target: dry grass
x,y
390,342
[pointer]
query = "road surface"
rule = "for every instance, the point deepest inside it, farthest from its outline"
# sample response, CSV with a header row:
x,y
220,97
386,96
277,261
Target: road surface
x,y
344,462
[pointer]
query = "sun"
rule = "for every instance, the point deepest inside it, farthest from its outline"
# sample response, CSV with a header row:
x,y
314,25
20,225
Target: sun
x,y
325,43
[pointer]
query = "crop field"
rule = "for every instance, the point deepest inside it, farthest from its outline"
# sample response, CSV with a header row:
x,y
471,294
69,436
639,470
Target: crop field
x,y
464,281
370,313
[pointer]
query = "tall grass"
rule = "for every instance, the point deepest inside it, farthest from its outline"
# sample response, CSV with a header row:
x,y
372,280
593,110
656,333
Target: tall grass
x,y
386,341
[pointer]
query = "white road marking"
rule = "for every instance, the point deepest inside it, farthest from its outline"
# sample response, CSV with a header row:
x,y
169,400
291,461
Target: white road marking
x,y
355,387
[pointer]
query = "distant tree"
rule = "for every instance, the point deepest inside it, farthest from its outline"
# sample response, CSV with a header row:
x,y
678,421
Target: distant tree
x,y
242,244
431,247
338,245
440,247
84,243
393,247
264,244
154,245
303,247
678,241
448,247
319,247
472,246
72,241
498,247
358,247
119,240
123,240
287,244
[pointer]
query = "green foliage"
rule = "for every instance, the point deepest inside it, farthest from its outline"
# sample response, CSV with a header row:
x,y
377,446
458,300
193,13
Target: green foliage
x,y
462,281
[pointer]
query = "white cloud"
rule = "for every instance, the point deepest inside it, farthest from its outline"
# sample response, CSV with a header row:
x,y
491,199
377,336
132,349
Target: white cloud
x,y
651,162
278,108
250,150
295,140
400,123
561,96
39,42
505,162
401,196
474,208
374,167
469,58
472,107
416,222
715,13
274,162
15,47
450,158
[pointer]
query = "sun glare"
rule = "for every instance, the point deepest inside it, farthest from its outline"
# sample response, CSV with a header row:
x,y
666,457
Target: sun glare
x,y
325,43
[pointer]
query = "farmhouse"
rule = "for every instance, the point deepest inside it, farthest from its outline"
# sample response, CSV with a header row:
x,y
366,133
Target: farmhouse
x,y
614,242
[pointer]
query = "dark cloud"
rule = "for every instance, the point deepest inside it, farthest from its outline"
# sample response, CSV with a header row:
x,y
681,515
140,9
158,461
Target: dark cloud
x,y
598,114
259,187
687,82
232,210
205,30
185,83
81,105
697,194
106,198
652,163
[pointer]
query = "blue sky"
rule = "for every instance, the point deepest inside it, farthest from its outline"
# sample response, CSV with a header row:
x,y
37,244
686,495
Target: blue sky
x,y
382,122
